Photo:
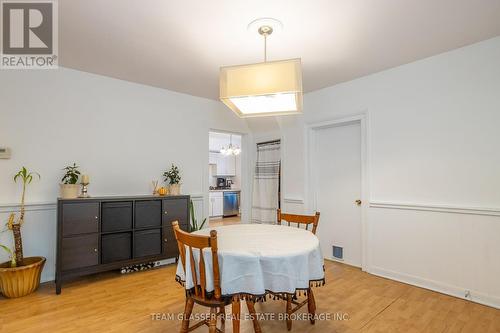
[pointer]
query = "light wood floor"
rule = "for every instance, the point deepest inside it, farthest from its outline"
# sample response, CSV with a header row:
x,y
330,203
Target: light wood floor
x,y
217,222
111,302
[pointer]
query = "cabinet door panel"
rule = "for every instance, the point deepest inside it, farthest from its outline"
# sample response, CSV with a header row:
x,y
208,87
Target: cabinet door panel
x,y
170,248
218,206
80,251
175,210
231,165
211,207
148,213
116,216
80,218
147,243
221,165
116,247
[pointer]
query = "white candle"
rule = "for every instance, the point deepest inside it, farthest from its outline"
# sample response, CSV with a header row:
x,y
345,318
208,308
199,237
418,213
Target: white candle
x,y
85,179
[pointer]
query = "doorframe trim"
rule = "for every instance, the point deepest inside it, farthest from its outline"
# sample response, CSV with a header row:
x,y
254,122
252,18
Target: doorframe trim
x,y
363,119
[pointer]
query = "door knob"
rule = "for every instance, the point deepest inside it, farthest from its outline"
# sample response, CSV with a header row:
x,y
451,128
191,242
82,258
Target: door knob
x,y
358,202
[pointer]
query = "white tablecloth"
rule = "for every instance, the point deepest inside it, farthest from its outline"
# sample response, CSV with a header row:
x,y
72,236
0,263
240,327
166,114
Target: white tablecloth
x,y
255,259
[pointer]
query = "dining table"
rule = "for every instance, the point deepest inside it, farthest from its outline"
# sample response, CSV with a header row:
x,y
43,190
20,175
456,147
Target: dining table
x,y
259,261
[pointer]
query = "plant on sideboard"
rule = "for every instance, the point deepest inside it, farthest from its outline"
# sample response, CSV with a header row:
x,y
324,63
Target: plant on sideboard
x,y
69,186
194,222
20,276
173,178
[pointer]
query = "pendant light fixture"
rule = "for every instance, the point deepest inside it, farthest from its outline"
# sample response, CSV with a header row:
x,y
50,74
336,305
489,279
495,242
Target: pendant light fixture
x,y
230,150
268,88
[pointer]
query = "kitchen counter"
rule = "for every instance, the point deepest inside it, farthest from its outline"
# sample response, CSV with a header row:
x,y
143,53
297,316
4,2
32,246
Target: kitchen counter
x,y
226,190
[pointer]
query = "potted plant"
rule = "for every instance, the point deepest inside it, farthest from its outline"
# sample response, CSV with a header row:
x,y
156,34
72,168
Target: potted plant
x,y
194,222
69,186
173,178
20,276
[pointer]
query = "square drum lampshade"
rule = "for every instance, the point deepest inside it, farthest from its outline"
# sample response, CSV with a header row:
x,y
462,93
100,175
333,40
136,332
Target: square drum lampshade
x,y
263,89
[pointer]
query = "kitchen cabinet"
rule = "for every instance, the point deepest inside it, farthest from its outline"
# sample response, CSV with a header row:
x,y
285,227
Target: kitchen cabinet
x,y
216,207
226,165
212,157
229,166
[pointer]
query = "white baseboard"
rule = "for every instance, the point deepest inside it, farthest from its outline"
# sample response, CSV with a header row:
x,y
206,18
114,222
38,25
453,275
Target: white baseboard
x,y
166,262
342,261
437,286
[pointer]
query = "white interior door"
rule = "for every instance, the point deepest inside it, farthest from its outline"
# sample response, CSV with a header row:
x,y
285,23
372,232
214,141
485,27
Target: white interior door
x,y
337,173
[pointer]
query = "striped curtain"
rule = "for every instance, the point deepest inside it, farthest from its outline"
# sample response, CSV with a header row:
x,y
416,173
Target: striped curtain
x,y
266,183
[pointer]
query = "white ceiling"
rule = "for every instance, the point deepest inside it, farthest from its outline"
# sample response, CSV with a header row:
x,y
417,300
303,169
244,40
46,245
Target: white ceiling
x,y
180,45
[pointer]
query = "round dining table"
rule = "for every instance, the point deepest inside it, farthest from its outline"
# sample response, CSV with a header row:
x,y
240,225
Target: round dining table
x,y
257,260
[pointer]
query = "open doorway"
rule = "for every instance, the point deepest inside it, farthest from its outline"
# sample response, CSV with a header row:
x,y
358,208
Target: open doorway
x,y
224,178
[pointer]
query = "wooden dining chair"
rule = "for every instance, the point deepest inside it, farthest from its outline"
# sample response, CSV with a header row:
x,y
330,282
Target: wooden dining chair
x,y
292,303
304,220
198,294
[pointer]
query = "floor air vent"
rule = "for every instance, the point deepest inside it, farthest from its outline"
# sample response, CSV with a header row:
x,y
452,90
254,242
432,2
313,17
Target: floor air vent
x,y
338,252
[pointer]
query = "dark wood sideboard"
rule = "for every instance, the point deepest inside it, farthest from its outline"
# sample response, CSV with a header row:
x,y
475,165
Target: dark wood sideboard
x,y
104,233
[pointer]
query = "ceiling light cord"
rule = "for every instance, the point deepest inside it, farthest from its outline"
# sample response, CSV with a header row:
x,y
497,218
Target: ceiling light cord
x,y
265,47
265,31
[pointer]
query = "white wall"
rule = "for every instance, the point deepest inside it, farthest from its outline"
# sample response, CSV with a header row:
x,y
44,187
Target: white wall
x,y
434,143
122,134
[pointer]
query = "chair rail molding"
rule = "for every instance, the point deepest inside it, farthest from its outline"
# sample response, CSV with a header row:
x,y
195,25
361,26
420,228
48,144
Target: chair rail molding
x,y
40,206
294,201
440,208
30,206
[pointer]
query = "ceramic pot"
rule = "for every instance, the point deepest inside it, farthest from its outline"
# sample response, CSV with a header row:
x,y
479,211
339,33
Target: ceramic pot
x,y
175,189
23,280
69,191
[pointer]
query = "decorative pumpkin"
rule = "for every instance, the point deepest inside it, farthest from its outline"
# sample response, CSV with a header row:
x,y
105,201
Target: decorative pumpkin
x,y
162,191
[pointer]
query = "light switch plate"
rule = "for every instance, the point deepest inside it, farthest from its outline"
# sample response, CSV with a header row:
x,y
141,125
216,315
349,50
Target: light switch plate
x,y
4,153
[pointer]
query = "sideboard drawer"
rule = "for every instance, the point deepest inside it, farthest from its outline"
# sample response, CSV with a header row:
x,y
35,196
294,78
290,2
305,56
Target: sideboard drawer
x,y
116,247
147,243
116,216
80,251
80,218
147,213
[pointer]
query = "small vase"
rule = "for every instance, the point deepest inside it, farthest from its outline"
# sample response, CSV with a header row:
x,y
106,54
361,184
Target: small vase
x,y
175,189
69,191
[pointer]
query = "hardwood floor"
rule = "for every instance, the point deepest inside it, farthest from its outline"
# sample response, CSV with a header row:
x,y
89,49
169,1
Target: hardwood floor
x,y
217,222
111,302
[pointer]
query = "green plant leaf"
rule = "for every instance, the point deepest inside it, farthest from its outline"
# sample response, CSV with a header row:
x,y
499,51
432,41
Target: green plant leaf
x,y
8,250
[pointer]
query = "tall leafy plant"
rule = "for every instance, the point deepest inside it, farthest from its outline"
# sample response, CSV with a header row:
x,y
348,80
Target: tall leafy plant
x,y
14,223
194,222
